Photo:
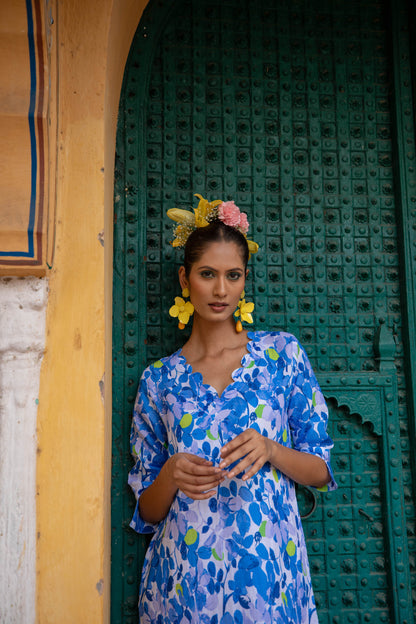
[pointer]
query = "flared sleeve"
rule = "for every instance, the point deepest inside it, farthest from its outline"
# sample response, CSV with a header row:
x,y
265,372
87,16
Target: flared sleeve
x,y
148,442
308,412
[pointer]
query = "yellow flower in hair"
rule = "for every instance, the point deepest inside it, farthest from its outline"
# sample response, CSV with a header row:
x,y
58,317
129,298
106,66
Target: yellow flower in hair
x,y
252,246
206,210
181,310
189,221
182,232
203,215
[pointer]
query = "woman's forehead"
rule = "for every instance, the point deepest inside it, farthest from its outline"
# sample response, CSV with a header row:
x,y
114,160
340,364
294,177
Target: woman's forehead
x,y
223,252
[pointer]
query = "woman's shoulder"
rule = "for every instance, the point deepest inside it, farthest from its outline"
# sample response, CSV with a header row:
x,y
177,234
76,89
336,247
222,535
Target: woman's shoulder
x,y
279,341
162,367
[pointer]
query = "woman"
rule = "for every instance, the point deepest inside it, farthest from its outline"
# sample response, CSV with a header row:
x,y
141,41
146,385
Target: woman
x,y
222,431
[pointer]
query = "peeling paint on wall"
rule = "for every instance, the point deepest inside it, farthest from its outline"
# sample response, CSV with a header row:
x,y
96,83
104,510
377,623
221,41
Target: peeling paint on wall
x,y
22,339
100,586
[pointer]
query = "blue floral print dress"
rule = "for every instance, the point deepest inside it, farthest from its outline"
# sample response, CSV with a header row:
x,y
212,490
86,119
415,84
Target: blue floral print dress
x,y
240,556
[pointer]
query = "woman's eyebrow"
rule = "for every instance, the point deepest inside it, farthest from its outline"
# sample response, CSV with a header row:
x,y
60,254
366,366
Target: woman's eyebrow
x,y
213,269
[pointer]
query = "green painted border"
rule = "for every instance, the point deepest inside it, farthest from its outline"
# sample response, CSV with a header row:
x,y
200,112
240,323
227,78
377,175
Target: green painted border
x,y
404,65
129,297
374,397
129,307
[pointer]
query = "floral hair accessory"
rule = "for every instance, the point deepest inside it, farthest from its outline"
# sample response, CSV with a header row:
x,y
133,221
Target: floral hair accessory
x,y
230,214
206,213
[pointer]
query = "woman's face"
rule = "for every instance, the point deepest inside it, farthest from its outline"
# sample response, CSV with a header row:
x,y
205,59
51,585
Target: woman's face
x,y
216,281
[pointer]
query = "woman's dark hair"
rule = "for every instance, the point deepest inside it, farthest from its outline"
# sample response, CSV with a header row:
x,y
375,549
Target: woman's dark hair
x,y
215,232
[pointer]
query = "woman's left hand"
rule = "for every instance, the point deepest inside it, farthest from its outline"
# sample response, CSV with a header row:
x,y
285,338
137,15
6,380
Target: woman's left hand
x,y
253,449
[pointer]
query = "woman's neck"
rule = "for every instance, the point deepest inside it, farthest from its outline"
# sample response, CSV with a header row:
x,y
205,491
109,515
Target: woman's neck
x,y
209,339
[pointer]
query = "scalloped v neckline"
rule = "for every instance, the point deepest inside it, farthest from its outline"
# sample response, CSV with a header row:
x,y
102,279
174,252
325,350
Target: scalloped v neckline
x,y
234,373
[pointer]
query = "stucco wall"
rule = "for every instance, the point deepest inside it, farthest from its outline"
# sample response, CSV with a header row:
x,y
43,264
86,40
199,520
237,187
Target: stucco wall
x,y
22,339
55,434
74,427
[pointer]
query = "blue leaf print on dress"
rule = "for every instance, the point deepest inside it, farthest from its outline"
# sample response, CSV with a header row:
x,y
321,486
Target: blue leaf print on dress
x,y
240,556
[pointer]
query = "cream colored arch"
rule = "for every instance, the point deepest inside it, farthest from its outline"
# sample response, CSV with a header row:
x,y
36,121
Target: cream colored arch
x,y
74,427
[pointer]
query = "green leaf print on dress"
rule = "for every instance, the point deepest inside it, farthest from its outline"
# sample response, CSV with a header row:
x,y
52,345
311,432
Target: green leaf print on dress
x,y
240,556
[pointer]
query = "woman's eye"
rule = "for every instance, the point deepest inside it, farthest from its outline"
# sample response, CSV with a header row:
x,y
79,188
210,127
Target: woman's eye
x,y
235,275
206,273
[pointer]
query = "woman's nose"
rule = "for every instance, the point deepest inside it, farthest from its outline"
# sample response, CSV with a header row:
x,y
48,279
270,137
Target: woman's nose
x,y
220,287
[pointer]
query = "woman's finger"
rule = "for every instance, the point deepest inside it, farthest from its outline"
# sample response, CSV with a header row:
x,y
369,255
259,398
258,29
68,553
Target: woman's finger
x,y
194,489
240,452
195,466
242,465
236,442
251,455
202,496
246,437
256,466
201,484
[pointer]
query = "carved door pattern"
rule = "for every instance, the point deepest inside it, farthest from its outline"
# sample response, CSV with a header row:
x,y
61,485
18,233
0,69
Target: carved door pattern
x,y
284,107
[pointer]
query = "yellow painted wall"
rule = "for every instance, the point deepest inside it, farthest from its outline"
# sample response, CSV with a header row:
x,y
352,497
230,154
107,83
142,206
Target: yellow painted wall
x,y
74,429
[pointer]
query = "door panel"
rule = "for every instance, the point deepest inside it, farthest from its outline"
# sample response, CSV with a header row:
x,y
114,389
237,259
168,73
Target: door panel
x,y
346,534
284,107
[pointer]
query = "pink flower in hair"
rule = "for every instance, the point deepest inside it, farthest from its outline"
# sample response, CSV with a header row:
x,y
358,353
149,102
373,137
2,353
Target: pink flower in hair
x,y
229,213
243,226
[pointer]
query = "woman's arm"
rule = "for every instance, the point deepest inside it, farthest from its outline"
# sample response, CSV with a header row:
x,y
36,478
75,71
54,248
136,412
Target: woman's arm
x,y
302,467
254,450
193,475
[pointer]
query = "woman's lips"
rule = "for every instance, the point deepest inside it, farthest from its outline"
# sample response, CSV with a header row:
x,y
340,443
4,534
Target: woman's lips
x,y
218,307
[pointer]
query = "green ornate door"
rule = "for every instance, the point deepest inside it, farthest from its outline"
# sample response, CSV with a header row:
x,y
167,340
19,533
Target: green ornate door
x,y
302,113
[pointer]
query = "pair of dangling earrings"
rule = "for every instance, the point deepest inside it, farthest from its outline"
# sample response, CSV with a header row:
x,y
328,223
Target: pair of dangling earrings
x,y
183,310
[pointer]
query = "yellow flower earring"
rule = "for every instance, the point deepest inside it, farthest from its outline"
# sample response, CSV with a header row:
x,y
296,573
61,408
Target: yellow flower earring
x,y
244,310
182,310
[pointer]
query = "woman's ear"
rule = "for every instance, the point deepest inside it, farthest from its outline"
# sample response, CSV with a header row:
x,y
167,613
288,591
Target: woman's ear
x,y
247,272
182,277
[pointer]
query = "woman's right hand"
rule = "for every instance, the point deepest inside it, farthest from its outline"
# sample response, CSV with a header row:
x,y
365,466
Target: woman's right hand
x,y
195,476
